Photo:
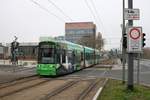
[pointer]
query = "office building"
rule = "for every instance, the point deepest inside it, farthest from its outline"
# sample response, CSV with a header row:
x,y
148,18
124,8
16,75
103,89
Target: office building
x,y
79,32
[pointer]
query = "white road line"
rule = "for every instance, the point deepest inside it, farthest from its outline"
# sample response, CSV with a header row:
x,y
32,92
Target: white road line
x,y
103,74
99,90
97,94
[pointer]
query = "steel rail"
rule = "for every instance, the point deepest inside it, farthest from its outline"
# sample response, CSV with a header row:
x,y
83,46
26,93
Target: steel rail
x,y
59,90
88,89
17,81
23,88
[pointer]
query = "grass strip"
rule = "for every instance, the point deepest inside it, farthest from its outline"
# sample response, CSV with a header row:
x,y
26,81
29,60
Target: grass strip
x,y
115,90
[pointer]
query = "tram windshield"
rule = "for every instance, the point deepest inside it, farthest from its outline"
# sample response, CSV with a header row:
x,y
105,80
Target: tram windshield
x,y
46,55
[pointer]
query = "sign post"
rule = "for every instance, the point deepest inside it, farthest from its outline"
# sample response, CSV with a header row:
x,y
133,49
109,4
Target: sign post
x,y
134,40
130,55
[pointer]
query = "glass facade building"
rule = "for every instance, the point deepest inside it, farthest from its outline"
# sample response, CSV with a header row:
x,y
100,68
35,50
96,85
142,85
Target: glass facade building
x,y
78,30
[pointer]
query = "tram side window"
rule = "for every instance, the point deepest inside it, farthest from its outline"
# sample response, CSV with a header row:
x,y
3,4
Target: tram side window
x,y
63,56
73,57
87,56
58,55
91,56
69,54
78,57
81,56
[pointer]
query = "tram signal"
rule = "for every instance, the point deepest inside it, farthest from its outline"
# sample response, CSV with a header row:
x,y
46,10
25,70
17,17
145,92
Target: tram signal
x,y
14,51
15,45
143,41
124,41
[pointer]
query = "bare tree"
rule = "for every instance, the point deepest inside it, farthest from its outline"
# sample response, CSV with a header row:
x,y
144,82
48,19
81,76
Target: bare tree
x,y
87,41
92,41
146,53
99,41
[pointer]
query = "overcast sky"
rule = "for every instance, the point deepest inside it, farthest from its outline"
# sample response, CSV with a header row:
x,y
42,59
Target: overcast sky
x,y
28,21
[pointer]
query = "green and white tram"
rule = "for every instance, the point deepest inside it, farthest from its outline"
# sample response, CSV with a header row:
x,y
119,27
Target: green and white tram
x,y
62,57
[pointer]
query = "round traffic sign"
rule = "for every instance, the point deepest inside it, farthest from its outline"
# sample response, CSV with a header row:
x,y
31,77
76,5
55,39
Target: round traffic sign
x,y
134,33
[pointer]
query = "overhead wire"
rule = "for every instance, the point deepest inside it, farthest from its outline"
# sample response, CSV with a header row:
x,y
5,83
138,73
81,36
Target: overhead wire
x,y
93,14
60,10
90,9
45,9
98,15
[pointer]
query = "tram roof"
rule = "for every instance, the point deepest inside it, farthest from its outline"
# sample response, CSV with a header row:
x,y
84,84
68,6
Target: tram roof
x,y
71,46
66,44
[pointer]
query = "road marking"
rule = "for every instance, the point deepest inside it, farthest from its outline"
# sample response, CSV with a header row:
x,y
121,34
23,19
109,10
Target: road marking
x,y
99,90
103,74
97,94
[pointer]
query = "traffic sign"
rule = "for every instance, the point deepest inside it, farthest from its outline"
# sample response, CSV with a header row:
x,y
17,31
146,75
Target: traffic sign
x,y
134,40
134,33
132,14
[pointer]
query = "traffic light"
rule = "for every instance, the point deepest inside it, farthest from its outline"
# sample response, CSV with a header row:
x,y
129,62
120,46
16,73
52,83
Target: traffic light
x,y
143,39
124,41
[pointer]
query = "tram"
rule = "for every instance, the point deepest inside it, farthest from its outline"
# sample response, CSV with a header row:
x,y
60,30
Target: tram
x,y
63,57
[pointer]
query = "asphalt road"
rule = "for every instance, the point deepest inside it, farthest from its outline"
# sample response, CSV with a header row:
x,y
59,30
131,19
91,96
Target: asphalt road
x,y
144,74
116,72
98,71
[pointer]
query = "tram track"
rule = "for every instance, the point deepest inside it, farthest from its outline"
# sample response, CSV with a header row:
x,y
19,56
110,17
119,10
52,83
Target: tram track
x,y
18,81
38,91
59,90
69,87
12,89
87,90
74,90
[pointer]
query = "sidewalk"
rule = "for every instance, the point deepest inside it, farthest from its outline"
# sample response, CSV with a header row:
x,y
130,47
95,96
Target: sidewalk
x,y
118,65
